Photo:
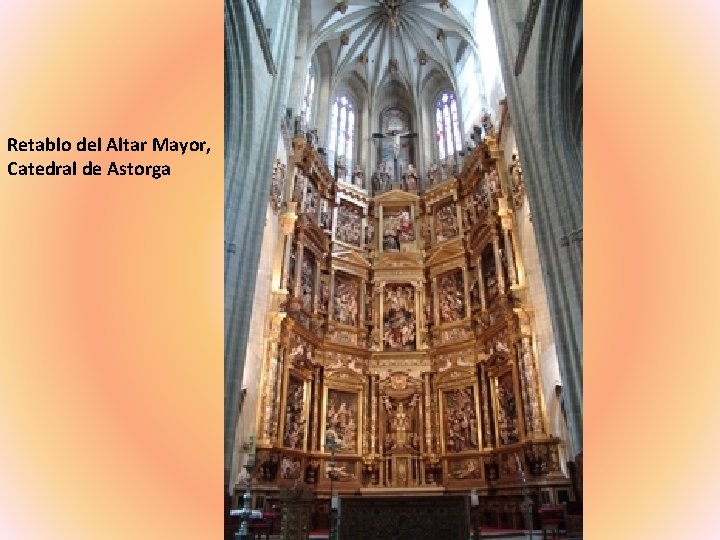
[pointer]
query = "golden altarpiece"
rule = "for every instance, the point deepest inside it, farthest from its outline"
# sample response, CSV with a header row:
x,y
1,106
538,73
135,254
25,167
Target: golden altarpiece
x,y
400,332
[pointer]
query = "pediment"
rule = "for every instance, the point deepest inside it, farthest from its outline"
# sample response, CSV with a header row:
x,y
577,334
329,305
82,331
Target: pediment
x,y
395,261
351,257
396,196
456,373
445,252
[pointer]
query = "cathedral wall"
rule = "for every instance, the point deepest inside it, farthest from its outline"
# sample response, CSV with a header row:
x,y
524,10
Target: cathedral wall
x,y
545,340
551,169
255,100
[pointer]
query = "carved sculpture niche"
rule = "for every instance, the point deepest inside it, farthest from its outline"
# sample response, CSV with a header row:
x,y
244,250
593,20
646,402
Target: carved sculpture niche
x,y
400,395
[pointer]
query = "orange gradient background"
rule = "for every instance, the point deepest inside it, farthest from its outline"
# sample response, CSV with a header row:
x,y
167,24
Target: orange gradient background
x,y
111,294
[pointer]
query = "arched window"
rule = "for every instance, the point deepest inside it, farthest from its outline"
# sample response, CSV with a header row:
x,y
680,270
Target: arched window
x,y
309,93
448,129
342,136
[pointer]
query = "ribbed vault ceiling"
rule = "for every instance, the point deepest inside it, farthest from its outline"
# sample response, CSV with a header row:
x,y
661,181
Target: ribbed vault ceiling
x,y
401,39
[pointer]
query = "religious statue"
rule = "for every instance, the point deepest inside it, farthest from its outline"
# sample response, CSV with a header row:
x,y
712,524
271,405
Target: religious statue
x,y
299,126
411,179
358,177
340,168
434,174
487,124
277,185
400,424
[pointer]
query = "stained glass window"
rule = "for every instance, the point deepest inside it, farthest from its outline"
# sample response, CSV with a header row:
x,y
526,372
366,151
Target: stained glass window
x,y
342,136
447,125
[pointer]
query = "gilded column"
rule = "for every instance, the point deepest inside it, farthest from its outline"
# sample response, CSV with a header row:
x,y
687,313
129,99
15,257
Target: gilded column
x,y
317,382
466,291
374,422
517,389
367,413
498,264
481,284
282,259
518,259
458,215
435,414
331,295
510,256
414,224
419,330
533,412
486,405
428,411
381,317
436,301
299,256
380,233
267,417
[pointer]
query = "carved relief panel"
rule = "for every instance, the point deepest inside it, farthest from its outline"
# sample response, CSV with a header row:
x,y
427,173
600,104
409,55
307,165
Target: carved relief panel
x,y
451,296
399,317
506,409
446,225
311,201
489,275
348,226
398,230
459,410
307,281
277,186
343,419
295,414
346,299
289,277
